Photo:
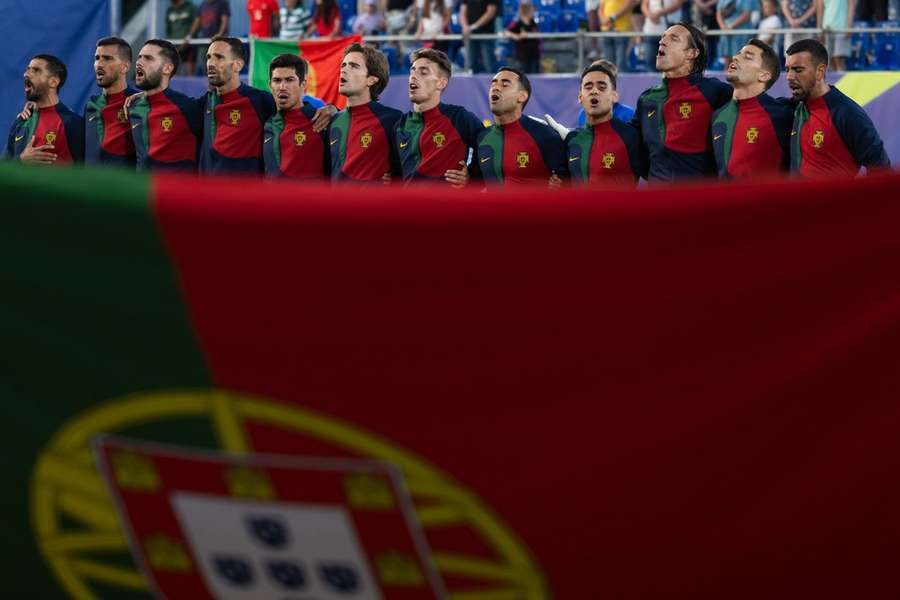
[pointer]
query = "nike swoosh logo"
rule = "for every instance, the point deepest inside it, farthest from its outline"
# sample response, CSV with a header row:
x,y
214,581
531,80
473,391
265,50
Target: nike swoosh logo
x,y
267,140
717,137
573,159
793,133
334,142
21,137
91,118
136,126
402,145
651,113
484,160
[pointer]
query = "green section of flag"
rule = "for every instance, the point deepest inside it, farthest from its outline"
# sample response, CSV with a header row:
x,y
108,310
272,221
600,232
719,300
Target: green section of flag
x,y
262,52
90,310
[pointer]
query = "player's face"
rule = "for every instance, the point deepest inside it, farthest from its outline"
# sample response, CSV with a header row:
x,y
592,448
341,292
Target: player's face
x,y
286,88
150,68
597,95
802,74
37,80
746,67
505,93
354,76
221,64
675,49
109,66
425,81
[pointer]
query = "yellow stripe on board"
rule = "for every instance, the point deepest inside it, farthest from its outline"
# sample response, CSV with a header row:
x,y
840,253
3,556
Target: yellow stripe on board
x,y
864,87
127,578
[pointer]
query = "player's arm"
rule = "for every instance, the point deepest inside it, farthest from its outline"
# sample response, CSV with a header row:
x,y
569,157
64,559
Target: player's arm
x,y
74,127
643,153
863,140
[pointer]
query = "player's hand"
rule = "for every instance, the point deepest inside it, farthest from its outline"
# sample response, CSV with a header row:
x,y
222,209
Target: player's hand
x,y
562,130
38,156
555,182
386,179
466,29
130,100
29,108
322,118
457,178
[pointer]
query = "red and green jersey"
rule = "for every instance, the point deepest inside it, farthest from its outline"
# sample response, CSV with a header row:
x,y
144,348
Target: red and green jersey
x,y
56,126
432,142
673,120
232,130
604,154
833,135
292,149
107,131
166,128
526,151
751,137
362,143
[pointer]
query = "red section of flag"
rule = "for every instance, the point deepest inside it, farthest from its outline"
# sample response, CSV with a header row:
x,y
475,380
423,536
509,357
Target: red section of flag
x,y
678,391
324,58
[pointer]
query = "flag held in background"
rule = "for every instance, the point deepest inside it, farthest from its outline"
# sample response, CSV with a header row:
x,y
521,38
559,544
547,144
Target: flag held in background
x,y
323,57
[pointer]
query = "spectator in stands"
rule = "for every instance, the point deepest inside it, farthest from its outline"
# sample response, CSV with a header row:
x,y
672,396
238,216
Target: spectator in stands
x,y
369,22
836,14
592,11
295,20
659,15
264,18
528,47
770,21
872,10
179,17
212,21
834,135
615,16
799,14
477,16
399,17
704,17
733,15
326,20
434,19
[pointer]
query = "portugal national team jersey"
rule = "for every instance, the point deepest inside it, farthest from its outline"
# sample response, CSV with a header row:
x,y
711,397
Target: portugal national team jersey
x,y
604,154
56,126
435,141
362,143
292,149
107,132
232,130
166,129
833,135
673,120
751,136
526,151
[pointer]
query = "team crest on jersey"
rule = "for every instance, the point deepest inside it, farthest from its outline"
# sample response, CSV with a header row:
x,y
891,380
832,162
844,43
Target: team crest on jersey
x,y
50,137
439,138
365,139
120,116
684,109
299,138
167,124
818,138
609,159
522,158
752,135
234,116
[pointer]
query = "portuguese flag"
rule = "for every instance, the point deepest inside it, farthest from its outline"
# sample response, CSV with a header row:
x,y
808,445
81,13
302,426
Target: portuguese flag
x,y
687,390
323,56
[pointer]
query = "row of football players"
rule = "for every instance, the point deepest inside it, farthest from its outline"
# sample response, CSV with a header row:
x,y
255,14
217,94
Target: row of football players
x,y
688,126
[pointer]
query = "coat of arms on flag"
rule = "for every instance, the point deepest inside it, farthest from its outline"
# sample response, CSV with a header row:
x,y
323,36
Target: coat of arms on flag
x,y
241,527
